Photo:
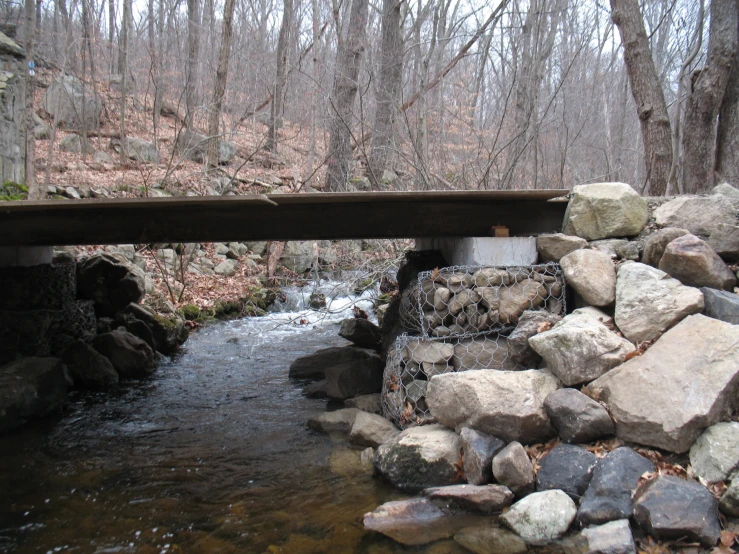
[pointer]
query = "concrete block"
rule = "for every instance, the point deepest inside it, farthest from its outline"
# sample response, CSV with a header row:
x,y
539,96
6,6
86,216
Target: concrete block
x,y
511,251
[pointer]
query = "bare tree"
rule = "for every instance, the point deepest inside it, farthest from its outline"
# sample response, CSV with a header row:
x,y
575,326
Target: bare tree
x,y
219,88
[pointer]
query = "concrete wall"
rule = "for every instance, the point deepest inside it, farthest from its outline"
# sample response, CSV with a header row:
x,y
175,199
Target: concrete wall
x,y
483,250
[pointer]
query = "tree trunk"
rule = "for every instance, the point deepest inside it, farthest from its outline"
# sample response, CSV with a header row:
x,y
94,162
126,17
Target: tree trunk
x,y
193,51
122,67
28,90
308,173
219,89
348,62
647,92
111,33
275,116
706,96
388,91
727,143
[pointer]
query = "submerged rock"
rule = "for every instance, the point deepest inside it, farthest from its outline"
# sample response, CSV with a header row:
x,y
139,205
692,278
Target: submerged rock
x,y
340,421
490,539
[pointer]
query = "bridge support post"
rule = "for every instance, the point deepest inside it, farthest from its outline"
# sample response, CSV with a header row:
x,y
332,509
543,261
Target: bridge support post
x,y
511,251
14,256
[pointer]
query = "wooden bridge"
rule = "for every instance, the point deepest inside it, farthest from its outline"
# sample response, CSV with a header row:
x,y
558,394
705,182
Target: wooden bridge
x,y
280,217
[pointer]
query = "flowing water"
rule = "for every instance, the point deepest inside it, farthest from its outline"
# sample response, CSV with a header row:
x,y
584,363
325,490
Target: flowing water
x,y
210,455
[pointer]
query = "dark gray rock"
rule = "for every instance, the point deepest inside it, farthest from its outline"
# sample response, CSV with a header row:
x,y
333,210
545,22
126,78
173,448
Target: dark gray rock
x,y
319,389
613,537
721,305
361,332
478,451
139,329
568,468
31,388
729,503
725,241
612,485
314,366
367,403
654,246
354,379
89,368
577,417
692,262
672,508
529,324
513,468
131,357
485,499
490,539
168,334
110,282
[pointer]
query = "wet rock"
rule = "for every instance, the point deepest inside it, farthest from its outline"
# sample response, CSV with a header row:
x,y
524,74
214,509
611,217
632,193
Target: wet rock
x,y
313,366
529,324
614,480
725,241
655,245
577,418
610,538
592,275
420,457
89,369
581,348
67,99
715,455
31,388
484,499
371,430
554,247
350,379
168,333
604,210
513,468
483,353
319,389
671,508
361,332
111,282
729,503
686,381
567,468
721,305
541,517
131,357
478,451
506,404
649,301
490,539
699,215
339,421
367,403
694,263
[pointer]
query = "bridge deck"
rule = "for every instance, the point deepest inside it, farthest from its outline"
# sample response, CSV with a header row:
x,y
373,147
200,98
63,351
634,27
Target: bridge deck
x,y
279,217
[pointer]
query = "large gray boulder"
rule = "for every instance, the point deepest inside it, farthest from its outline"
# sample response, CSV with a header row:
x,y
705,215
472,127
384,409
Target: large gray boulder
x,y
687,381
604,210
506,404
350,379
725,241
111,282
654,246
131,357
72,104
694,263
541,517
136,149
194,146
592,274
715,455
699,215
577,417
721,304
649,301
168,333
421,457
75,144
89,368
581,348
553,247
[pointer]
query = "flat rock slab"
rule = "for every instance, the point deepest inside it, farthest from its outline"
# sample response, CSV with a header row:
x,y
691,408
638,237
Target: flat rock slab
x,y
483,499
506,404
671,508
721,304
592,274
541,517
699,215
567,468
687,381
649,301
715,455
478,451
577,417
490,539
610,538
604,210
614,480
338,421
694,263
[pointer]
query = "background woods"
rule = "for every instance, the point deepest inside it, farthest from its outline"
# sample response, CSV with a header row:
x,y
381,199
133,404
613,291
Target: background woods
x,y
397,94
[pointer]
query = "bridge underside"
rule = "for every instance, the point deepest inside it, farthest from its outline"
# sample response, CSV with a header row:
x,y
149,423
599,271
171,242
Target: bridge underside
x,y
280,217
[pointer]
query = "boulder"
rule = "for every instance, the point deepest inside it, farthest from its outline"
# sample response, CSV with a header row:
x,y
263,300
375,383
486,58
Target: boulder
x,y
715,455
670,508
75,144
361,332
317,389
349,379
721,305
506,404
339,421
415,521
581,348
483,353
725,241
630,251
111,282
89,368
478,451
577,418
687,381
604,210
649,301
72,104
131,357
694,263
168,333
194,146
699,215
313,366
227,268
613,537
729,503
513,468
529,324
725,189
568,468
421,457
554,247
137,150
490,539
371,403
300,256
654,246
484,499
592,274
371,430
31,388
609,246
541,517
